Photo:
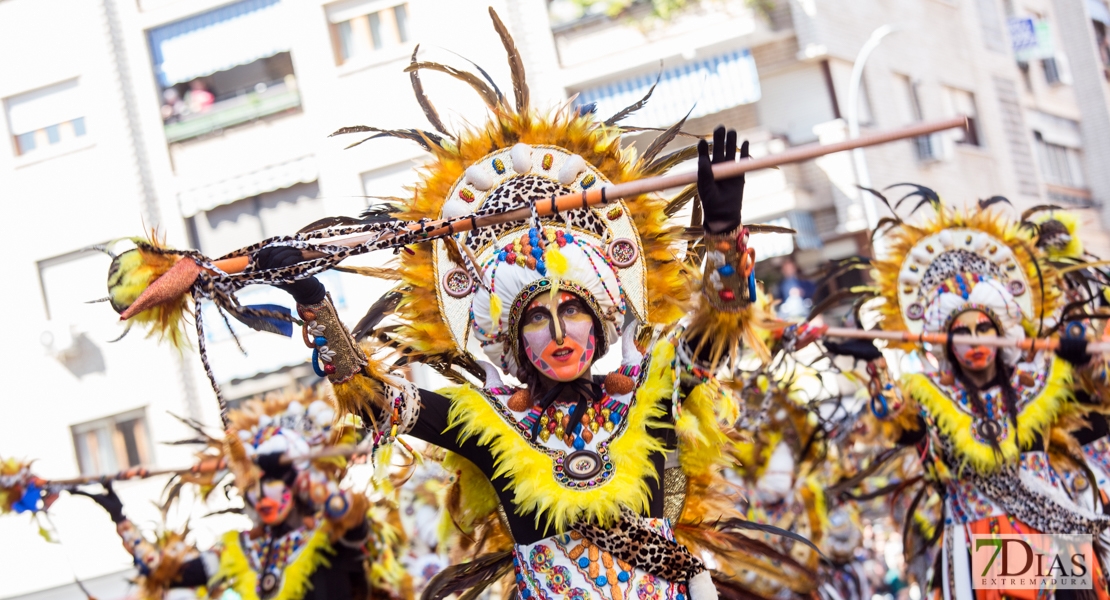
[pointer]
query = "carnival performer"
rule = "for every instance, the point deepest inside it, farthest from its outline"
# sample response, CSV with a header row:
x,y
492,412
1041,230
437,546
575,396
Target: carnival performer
x,y
978,415
311,539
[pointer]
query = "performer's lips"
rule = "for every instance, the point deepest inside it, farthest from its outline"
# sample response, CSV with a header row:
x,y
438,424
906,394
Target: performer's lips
x,y
562,353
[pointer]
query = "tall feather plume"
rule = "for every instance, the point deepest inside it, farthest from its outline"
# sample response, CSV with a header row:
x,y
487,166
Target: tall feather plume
x,y
516,65
664,138
384,306
927,195
422,98
628,110
424,138
680,200
484,90
667,161
483,571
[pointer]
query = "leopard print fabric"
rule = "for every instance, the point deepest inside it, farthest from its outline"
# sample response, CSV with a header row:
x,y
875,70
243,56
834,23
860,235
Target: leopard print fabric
x,y
634,542
522,191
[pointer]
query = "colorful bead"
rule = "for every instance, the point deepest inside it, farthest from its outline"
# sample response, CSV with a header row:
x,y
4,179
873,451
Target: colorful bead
x,y
466,195
727,295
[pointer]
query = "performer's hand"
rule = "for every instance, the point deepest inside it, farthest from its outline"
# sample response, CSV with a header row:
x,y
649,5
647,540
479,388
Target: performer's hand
x,y
1074,351
306,291
109,501
857,349
721,200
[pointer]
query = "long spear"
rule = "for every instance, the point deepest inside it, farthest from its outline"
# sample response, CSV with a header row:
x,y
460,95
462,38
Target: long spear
x,y
1102,345
604,195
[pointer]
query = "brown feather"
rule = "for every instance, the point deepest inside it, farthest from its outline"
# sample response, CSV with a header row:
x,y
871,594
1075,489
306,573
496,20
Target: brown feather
x,y
422,98
454,579
628,110
681,200
1036,209
665,162
769,229
516,65
424,138
379,272
484,90
664,138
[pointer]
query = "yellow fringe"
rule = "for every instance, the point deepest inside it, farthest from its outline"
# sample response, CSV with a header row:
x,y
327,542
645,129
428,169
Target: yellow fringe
x,y
132,273
530,470
729,333
477,498
957,424
702,443
236,569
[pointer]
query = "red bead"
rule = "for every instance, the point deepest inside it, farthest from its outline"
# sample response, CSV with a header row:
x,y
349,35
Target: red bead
x,y
511,258
727,295
329,368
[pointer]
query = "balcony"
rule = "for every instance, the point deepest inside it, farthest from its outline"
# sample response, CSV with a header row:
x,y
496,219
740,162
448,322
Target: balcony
x,y
262,101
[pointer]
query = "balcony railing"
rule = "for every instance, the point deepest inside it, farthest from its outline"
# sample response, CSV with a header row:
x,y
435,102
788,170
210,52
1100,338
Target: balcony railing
x,y
234,111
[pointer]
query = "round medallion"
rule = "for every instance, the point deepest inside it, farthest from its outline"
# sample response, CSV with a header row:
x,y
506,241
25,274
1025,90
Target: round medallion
x,y
915,311
1080,484
989,429
457,283
269,583
1016,287
623,252
583,464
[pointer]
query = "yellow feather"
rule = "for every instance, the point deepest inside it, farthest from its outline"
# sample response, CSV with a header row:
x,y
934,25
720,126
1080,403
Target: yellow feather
x,y
530,469
495,309
236,570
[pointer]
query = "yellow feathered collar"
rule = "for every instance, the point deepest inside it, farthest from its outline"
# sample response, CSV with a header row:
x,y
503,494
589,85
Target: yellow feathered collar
x,y
534,471
241,572
1039,405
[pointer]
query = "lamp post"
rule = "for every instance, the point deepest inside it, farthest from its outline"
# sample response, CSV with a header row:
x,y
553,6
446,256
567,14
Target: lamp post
x,y
863,178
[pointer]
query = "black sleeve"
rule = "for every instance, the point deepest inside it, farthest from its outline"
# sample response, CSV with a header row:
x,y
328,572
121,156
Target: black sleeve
x,y
911,437
1096,428
192,575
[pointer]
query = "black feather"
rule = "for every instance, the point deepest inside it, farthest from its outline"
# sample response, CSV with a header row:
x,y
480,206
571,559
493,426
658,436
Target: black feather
x,y
879,195
516,64
742,524
384,306
1036,209
927,195
491,98
763,228
628,110
667,161
984,204
680,200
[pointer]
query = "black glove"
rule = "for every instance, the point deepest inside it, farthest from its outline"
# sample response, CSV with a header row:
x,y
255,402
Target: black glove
x,y
858,349
1074,351
720,199
109,501
306,291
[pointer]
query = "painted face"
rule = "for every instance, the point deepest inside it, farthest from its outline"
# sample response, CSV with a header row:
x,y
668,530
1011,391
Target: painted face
x,y
558,335
974,357
273,502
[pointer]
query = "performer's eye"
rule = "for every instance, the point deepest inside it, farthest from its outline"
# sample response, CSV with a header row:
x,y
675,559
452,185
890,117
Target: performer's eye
x,y
984,327
537,317
962,330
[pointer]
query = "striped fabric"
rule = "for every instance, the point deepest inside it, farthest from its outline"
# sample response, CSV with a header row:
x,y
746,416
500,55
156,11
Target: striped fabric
x,y
708,86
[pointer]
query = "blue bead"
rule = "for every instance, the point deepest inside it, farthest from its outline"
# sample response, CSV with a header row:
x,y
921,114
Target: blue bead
x,y
623,576
615,417
541,268
321,341
526,593
601,580
579,443
519,577
583,562
537,252
502,256
568,237
680,597
725,270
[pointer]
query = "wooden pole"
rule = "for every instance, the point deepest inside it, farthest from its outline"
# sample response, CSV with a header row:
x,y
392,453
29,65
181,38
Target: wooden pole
x,y
629,189
1097,347
210,465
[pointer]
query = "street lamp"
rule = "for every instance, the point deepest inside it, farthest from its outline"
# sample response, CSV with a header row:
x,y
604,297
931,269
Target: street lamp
x,y
863,178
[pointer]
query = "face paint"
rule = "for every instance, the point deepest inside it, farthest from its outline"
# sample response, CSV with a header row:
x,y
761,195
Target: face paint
x,y
974,357
562,346
276,501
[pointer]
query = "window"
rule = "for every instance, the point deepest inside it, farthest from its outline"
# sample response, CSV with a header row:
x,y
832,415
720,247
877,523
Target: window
x,y
959,102
1060,165
112,444
927,147
358,31
224,228
46,117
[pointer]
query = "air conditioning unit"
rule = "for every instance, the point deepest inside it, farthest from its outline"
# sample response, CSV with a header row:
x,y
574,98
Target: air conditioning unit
x,y
934,147
59,340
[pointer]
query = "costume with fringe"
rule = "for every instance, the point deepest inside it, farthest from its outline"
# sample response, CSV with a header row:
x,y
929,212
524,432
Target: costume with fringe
x,y
991,467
